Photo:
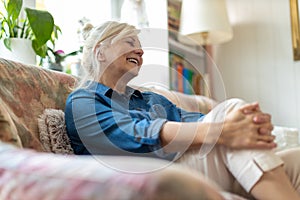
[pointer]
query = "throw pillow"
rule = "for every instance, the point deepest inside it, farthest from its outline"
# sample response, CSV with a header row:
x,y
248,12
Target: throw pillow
x,y
53,133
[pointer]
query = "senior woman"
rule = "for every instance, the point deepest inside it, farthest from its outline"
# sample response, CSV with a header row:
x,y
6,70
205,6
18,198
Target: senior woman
x,y
105,116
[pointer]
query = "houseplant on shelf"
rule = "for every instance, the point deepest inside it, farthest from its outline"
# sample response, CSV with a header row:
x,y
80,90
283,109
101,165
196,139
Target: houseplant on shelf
x,y
35,27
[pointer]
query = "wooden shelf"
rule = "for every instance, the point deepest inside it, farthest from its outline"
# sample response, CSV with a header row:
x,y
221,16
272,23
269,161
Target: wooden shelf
x,y
184,50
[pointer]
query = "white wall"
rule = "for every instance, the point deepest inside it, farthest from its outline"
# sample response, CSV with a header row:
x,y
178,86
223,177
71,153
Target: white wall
x,y
154,40
257,64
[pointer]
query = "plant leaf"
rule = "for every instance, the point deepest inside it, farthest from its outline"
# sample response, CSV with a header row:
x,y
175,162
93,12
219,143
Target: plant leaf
x,y
39,50
7,43
41,23
14,8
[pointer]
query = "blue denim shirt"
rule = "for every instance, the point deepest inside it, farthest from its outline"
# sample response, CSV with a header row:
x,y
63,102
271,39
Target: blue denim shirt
x,y
99,120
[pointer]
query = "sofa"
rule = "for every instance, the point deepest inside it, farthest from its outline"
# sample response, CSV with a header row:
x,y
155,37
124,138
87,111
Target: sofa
x,y
37,161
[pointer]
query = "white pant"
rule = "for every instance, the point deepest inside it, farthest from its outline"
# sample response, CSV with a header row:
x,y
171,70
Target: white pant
x,y
226,167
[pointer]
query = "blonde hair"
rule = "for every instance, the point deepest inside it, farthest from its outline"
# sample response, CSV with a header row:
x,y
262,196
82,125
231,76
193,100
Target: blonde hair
x,y
108,32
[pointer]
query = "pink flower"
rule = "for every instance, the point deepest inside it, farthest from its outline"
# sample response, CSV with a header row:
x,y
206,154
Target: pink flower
x,y
59,52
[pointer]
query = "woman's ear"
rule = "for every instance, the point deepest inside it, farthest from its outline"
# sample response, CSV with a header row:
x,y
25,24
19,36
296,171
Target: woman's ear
x,y
99,51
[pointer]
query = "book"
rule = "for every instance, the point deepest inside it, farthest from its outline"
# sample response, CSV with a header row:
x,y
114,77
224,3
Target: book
x,y
174,60
180,78
198,84
174,12
172,72
188,81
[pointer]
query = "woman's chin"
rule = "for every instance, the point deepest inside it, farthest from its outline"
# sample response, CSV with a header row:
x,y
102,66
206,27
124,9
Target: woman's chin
x,y
135,71
134,74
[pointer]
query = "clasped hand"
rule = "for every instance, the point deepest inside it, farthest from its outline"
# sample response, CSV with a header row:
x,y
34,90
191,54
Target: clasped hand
x,y
248,128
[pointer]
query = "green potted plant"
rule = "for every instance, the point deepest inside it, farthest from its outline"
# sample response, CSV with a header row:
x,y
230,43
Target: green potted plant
x,y
37,26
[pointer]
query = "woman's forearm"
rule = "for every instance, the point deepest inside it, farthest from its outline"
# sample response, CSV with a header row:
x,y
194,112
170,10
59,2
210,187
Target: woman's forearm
x,y
178,136
238,131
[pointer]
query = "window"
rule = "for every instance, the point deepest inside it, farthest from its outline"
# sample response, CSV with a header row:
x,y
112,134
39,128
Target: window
x,y
67,15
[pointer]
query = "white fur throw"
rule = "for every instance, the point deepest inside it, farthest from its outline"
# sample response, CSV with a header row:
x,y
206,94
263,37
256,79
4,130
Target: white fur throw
x,y
53,134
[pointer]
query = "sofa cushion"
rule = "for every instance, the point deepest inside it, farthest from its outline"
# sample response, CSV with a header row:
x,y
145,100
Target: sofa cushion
x,y
8,130
53,133
27,174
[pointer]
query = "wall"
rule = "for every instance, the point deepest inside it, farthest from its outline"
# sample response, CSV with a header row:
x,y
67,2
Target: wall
x,y
154,40
257,64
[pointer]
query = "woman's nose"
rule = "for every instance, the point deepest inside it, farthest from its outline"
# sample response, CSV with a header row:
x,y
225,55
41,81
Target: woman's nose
x,y
139,52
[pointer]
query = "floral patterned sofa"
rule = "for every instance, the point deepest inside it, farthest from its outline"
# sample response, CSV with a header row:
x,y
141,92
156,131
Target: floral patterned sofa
x,y
30,170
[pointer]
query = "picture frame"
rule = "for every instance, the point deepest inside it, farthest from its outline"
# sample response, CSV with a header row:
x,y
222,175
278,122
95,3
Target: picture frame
x,y
294,10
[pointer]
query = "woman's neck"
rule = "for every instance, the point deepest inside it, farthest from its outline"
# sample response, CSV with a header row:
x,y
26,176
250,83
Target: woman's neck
x,y
117,84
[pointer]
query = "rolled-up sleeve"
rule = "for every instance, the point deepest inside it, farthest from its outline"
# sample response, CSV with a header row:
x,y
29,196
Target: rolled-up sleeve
x,y
190,116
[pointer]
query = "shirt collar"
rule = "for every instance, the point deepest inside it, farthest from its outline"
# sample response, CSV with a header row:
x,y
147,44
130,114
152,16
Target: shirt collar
x,y
107,91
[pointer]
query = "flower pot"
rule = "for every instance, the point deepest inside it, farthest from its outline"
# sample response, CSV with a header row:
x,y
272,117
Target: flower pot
x,y
55,66
21,51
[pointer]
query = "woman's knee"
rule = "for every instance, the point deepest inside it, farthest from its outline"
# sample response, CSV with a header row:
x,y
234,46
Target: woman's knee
x,y
219,112
234,103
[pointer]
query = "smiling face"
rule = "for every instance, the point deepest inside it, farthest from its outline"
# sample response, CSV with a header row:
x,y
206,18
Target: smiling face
x,y
124,57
